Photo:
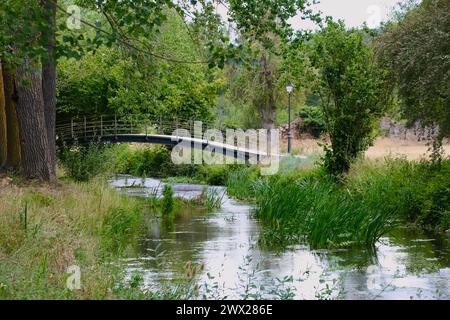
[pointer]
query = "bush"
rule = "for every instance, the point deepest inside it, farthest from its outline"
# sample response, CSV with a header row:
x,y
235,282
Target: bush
x,y
426,194
313,120
215,175
154,161
83,163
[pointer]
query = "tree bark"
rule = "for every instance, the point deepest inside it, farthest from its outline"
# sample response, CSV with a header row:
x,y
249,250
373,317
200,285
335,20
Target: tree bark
x,y
3,136
34,144
12,124
49,81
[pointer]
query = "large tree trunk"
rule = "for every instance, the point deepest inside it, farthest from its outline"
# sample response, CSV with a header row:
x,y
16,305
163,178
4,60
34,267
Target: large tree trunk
x,y
49,81
3,136
12,124
35,160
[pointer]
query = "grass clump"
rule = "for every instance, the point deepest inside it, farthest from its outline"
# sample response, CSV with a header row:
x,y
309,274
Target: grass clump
x,y
119,227
210,198
167,204
241,181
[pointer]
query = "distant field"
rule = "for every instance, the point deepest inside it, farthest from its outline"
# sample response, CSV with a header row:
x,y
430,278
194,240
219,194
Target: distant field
x,y
411,149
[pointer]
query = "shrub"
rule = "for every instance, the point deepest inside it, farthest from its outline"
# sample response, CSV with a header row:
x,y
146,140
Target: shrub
x,y
216,175
313,120
154,161
83,163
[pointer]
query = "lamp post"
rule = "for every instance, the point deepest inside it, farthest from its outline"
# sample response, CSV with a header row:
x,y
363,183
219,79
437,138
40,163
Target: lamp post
x,y
289,88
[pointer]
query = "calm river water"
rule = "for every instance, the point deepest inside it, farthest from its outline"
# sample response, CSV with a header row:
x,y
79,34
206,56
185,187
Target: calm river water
x,y
224,248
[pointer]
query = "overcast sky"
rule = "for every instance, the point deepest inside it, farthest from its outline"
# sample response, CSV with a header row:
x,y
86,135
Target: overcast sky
x,y
353,12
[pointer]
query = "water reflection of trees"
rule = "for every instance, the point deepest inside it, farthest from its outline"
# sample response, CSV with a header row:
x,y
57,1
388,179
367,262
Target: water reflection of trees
x,y
167,244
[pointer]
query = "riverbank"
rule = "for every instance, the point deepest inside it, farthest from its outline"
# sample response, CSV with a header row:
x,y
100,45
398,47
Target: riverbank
x,y
45,229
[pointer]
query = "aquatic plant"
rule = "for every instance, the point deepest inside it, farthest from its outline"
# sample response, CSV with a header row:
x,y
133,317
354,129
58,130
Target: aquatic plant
x,y
212,198
356,212
167,203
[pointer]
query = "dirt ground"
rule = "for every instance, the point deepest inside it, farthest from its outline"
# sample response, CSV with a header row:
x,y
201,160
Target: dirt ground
x,y
411,149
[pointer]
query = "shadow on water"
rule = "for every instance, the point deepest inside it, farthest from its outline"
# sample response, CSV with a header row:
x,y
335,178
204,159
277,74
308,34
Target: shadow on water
x,y
406,264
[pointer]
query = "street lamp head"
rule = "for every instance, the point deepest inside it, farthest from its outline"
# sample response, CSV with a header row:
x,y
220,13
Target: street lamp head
x,y
289,87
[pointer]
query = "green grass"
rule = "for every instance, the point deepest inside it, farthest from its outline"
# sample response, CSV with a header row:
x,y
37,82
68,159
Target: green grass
x,y
374,198
46,229
241,182
325,214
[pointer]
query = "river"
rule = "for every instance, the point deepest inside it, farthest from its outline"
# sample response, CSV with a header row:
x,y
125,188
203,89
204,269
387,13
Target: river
x,y
221,251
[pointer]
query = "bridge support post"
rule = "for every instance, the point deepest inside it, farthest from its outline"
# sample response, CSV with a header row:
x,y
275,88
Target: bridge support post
x,y
115,126
85,127
71,128
146,131
101,126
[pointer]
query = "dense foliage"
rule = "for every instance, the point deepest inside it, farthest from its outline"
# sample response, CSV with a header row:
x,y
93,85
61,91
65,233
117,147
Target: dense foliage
x,y
110,81
313,120
415,47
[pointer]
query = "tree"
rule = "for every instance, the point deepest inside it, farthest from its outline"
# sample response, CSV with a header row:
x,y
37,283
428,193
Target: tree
x,y
352,90
49,79
263,27
415,48
3,129
23,47
263,32
36,162
12,124
111,81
